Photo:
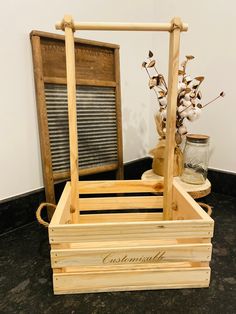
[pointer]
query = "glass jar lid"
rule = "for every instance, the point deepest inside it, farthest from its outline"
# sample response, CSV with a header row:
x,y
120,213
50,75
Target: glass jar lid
x,y
197,138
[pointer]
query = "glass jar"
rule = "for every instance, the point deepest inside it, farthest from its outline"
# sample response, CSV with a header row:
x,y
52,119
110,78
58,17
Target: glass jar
x,y
196,156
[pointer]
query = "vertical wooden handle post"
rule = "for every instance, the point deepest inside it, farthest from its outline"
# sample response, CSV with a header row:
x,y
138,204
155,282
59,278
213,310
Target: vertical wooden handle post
x,y
71,95
171,117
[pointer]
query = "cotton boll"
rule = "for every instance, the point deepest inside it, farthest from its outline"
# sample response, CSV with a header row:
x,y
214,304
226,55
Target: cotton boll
x,y
194,101
186,103
163,114
191,115
181,86
195,83
182,130
194,114
184,113
188,78
190,84
163,101
181,108
152,83
181,101
187,97
198,112
181,94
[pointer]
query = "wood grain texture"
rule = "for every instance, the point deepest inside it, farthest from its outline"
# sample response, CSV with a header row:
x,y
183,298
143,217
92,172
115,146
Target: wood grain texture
x,y
62,212
127,280
120,203
157,27
94,63
171,119
129,231
120,170
187,207
71,94
195,190
121,186
42,123
159,255
135,243
47,36
120,217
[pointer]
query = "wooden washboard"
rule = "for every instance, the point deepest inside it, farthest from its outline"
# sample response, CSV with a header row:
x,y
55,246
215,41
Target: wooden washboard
x,y
98,107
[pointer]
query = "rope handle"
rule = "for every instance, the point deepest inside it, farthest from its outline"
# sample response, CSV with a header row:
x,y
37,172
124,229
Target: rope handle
x,y
207,207
38,213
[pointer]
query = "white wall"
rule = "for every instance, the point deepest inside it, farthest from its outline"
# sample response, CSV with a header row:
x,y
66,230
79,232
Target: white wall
x,y
210,39
20,164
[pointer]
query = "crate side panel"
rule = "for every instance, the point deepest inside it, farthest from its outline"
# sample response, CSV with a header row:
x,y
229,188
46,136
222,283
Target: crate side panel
x,y
130,231
186,207
130,255
131,280
62,212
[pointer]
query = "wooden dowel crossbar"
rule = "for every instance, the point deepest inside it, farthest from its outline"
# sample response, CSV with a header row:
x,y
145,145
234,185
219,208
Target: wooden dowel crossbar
x,y
175,27
161,27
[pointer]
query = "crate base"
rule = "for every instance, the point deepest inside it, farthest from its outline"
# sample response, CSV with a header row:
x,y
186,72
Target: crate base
x,y
131,280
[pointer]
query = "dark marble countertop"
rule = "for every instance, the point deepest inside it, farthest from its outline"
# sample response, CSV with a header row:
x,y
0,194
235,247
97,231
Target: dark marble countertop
x,y
26,286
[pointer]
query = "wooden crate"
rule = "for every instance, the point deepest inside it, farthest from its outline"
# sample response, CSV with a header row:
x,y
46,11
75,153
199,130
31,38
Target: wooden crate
x,y
129,251
99,242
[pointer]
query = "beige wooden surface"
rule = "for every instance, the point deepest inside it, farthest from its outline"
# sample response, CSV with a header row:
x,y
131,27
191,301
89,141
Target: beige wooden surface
x,y
171,119
140,279
42,123
95,257
195,190
71,94
157,27
120,186
120,203
120,171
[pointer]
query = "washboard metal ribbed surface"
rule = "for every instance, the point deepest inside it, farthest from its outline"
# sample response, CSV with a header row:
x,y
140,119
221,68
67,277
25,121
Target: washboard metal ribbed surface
x,y
96,120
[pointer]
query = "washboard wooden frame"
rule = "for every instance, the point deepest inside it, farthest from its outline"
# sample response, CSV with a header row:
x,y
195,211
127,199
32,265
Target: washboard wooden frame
x,y
98,73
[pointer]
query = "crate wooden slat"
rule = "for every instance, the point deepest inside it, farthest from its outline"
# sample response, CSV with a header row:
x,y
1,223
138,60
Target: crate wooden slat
x,y
147,279
123,235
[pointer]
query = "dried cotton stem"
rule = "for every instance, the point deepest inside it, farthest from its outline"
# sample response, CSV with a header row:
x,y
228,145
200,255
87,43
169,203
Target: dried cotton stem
x,y
222,94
